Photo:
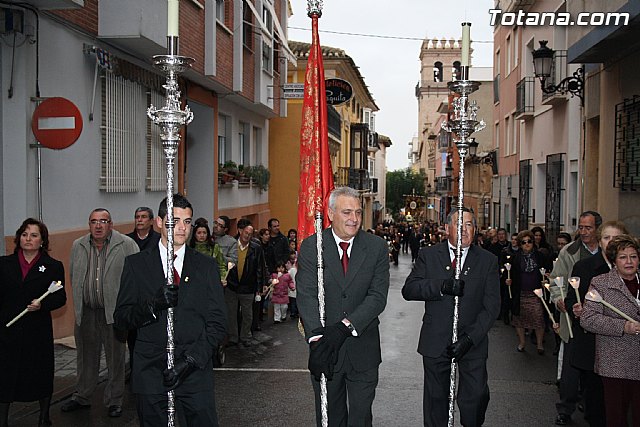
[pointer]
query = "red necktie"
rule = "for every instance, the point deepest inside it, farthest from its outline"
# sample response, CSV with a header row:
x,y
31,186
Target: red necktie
x,y
176,276
345,257
453,263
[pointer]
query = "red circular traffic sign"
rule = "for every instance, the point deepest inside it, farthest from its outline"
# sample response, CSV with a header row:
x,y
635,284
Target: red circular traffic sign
x,y
56,123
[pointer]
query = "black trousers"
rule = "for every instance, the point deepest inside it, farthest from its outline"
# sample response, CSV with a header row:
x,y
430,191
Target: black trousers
x,y
472,393
348,385
569,382
192,410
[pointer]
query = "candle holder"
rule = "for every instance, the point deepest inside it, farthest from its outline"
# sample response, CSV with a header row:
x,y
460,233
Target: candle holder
x,y
461,125
171,117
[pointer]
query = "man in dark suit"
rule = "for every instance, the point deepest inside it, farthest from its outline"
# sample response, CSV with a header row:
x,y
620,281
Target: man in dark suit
x,y
432,281
347,349
200,324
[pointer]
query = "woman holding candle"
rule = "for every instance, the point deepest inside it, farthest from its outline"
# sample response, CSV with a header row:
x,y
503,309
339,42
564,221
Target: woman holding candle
x,y
581,354
617,339
26,347
526,307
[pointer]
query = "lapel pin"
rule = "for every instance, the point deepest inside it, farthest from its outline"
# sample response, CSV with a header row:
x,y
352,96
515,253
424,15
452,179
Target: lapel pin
x,y
42,268
186,279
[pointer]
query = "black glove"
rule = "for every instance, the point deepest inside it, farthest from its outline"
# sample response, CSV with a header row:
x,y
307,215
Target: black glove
x,y
335,335
182,367
453,287
320,360
167,296
458,349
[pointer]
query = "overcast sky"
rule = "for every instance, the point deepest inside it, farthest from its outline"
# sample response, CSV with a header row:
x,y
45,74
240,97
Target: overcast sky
x,y
391,66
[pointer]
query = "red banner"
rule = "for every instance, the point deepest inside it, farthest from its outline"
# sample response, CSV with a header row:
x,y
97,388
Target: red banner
x,y
316,176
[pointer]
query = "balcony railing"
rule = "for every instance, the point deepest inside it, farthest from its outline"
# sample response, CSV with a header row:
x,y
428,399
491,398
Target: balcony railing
x,y
334,122
354,178
524,98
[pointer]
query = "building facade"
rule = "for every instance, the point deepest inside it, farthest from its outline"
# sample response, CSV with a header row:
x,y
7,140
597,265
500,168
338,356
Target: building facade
x,y
356,150
97,54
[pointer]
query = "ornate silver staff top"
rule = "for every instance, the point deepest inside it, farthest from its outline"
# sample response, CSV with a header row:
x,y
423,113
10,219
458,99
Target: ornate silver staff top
x,y
314,7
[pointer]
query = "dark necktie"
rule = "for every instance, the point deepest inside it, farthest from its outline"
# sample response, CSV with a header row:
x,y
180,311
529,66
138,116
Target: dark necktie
x,y
345,257
176,276
454,262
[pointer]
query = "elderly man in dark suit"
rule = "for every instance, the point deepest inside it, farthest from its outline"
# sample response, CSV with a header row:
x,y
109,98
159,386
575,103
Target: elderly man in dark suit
x,y
200,324
432,281
356,283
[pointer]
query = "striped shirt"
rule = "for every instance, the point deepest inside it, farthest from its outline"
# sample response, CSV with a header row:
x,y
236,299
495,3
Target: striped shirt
x,y
92,291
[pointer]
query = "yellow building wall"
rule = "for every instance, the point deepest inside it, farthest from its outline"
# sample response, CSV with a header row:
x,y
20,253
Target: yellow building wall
x,y
284,165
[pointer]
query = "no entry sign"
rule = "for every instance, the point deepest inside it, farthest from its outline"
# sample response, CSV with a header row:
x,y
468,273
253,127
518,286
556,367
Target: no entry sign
x,y
56,123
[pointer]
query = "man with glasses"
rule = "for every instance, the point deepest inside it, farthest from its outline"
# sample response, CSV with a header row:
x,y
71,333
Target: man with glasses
x,y
228,244
97,260
432,280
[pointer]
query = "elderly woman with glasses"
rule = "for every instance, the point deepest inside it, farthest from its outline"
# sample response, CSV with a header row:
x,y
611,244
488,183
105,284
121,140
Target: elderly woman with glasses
x,y
617,338
526,307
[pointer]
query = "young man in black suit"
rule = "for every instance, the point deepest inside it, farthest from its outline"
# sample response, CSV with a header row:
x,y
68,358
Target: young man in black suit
x,y
200,324
347,349
432,281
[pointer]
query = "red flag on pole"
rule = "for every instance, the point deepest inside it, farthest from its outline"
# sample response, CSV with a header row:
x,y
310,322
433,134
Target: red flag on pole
x,y
316,176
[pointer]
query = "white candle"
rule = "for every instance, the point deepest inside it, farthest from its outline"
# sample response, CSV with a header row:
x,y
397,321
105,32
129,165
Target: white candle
x,y
560,281
466,42
508,267
595,296
53,287
575,284
173,15
538,293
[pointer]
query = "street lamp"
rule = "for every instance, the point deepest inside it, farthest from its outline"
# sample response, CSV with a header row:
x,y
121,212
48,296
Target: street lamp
x,y
542,66
473,147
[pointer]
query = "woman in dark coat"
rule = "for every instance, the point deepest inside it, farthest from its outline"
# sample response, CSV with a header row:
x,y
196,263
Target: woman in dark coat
x,y
26,347
526,307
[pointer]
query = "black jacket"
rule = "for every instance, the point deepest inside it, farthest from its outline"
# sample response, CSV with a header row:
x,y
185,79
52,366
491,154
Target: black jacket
x,y
584,343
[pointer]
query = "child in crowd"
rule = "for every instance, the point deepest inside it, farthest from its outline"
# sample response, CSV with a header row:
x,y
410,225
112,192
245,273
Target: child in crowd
x,y
292,269
281,282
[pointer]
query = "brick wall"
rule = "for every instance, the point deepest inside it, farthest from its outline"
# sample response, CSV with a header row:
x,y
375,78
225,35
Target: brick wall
x,y
85,18
192,33
224,56
248,75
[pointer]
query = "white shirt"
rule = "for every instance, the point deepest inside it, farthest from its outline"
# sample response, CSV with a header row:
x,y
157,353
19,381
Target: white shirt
x,y
453,251
177,262
338,240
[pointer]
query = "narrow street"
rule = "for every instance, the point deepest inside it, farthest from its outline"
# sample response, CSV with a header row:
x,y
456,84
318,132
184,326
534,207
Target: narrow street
x,y
269,385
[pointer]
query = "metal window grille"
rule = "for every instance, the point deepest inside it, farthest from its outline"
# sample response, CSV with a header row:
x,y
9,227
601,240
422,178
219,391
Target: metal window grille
x,y
123,126
525,191
156,179
627,145
554,196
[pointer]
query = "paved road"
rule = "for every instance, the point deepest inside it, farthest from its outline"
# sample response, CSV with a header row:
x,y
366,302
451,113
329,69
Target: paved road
x,y
268,385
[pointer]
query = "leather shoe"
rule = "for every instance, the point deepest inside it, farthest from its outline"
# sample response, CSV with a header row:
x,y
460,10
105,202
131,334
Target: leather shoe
x,y
115,411
563,420
72,405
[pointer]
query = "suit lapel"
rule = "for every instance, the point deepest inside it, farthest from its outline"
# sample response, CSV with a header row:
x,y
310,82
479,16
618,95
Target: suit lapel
x,y
154,267
330,256
358,254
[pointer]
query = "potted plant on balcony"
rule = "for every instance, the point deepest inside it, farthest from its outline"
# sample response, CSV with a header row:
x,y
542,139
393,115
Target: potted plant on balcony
x,y
227,171
259,175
